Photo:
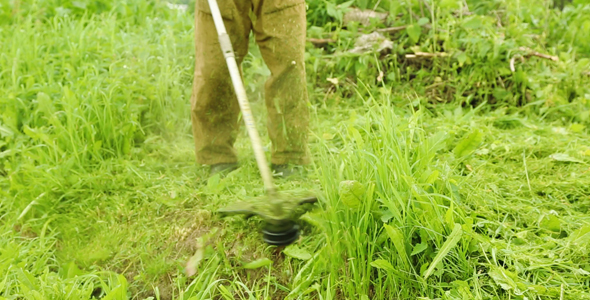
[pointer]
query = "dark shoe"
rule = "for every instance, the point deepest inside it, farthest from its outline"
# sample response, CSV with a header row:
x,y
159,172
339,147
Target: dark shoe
x,y
223,168
286,170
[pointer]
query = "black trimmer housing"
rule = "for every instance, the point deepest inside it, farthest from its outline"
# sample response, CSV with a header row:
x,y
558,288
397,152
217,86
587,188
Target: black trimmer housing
x,y
280,228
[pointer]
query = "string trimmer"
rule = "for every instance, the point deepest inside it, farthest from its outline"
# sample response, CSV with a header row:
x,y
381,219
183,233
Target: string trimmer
x,y
277,211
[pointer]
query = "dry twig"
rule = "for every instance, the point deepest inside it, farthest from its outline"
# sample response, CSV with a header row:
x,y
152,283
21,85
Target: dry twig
x,y
537,54
530,53
321,42
392,29
426,55
397,29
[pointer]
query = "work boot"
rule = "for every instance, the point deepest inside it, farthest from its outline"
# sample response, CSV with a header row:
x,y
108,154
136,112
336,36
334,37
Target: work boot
x,y
286,170
222,168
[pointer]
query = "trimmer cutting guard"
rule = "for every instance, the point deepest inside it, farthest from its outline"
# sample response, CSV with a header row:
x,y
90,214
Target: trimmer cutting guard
x,y
280,229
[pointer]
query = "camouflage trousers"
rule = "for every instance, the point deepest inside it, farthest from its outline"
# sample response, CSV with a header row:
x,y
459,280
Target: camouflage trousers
x,y
279,28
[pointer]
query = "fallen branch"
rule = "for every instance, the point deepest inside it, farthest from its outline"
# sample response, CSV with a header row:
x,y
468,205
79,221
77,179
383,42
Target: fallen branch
x,y
461,13
529,54
397,29
393,29
537,54
321,42
426,55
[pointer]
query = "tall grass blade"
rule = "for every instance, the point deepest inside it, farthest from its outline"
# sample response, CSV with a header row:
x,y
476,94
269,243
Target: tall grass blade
x,y
397,238
451,242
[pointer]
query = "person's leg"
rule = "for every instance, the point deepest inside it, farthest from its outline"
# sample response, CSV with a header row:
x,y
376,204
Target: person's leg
x,y
280,31
214,107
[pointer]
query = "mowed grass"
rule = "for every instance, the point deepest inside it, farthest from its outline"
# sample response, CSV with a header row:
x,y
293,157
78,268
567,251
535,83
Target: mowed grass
x,y
101,197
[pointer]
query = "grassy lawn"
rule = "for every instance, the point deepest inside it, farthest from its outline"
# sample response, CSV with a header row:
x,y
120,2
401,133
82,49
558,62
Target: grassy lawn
x,y
464,176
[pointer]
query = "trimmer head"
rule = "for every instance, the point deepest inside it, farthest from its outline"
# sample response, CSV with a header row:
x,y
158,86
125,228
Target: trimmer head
x,y
280,236
279,215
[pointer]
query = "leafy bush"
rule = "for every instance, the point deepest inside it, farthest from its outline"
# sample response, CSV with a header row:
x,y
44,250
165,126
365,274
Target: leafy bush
x,y
482,43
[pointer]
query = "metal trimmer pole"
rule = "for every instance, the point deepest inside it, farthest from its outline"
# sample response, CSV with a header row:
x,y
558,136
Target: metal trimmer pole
x,y
234,71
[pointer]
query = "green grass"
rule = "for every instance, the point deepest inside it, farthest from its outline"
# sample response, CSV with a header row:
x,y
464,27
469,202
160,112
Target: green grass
x,y
449,179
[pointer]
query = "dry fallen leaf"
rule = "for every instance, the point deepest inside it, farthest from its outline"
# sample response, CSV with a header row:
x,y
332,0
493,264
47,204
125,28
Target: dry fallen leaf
x,y
194,261
363,17
371,42
334,81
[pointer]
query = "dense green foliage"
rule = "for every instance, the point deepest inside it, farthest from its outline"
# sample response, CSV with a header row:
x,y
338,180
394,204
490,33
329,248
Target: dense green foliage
x,y
451,177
